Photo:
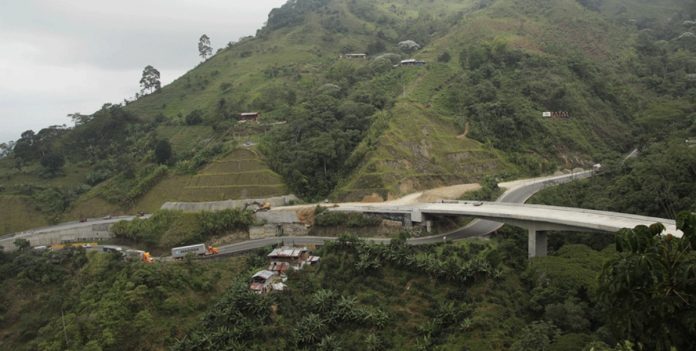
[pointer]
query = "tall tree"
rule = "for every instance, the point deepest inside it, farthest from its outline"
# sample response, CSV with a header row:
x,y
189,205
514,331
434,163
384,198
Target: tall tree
x,y
204,48
151,79
80,119
649,289
6,149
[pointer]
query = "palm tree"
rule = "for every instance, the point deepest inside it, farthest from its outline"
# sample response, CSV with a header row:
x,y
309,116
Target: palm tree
x,y
310,329
373,343
324,300
329,343
345,309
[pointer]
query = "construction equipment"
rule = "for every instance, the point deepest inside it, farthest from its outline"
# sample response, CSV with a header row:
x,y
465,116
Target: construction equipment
x,y
259,207
137,255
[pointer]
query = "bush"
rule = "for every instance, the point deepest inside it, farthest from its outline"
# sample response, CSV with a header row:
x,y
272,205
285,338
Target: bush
x,y
145,184
167,229
214,223
163,151
97,176
444,57
194,117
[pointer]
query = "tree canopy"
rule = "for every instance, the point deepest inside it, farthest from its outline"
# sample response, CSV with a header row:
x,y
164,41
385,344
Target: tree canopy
x,y
150,80
204,48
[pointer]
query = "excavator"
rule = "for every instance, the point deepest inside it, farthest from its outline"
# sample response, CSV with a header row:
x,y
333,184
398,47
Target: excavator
x,y
260,207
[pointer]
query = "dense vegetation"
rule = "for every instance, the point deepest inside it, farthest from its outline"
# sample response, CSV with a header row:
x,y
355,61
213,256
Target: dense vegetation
x,y
476,295
77,300
624,71
167,229
659,182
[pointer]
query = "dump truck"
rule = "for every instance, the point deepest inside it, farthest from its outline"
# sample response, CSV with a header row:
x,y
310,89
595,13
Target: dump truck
x,y
196,250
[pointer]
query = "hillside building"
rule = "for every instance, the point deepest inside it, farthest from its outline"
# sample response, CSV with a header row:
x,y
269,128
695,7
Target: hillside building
x,y
281,260
284,258
355,56
412,62
262,282
249,116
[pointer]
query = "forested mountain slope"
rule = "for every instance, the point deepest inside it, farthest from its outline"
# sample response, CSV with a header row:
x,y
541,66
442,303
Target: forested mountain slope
x,y
621,71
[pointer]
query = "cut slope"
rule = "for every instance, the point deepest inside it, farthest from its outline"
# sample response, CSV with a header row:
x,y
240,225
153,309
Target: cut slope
x,y
239,175
418,150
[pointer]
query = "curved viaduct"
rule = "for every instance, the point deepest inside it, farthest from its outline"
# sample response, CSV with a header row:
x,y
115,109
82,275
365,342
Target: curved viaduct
x,y
535,218
508,208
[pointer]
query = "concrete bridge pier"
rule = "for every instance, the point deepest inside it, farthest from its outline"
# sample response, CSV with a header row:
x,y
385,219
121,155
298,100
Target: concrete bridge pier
x,y
536,242
408,223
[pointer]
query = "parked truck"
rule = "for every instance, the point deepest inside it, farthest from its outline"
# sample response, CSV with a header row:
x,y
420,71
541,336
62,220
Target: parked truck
x,y
196,250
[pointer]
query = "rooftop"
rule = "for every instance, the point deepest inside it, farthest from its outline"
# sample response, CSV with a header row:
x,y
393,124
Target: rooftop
x,y
264,274
287,252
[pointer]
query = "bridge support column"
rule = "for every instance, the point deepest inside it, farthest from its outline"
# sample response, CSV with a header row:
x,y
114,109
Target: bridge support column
x,y
536,243
408,224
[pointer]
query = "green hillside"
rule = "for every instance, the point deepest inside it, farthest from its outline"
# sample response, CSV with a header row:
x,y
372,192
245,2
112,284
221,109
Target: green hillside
x,y
344,128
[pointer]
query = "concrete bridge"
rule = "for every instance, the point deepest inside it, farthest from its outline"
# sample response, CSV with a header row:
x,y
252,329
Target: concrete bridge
x,y
536,219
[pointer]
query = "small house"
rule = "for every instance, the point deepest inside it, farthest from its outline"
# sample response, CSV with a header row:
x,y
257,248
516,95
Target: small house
x,y
284,258
355,56
249,116
262,281
412,62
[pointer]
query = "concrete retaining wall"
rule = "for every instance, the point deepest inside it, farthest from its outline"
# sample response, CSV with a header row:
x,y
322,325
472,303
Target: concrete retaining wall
x,y
264,231
274,230
86,233
278,217
224,205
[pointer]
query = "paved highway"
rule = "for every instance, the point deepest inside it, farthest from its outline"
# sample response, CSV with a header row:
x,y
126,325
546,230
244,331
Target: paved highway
x,y
517,192
7,241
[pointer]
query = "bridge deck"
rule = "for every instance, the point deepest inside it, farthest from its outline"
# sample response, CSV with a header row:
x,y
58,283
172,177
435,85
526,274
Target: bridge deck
x,y
572,218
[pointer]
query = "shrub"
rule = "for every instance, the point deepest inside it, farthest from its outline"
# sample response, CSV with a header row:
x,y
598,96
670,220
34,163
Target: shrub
x,y
194,117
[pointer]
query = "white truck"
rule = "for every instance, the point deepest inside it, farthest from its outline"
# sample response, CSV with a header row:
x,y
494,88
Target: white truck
x,y
196,250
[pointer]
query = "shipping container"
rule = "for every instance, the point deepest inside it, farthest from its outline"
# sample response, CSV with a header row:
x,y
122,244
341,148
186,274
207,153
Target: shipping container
x,y
196,250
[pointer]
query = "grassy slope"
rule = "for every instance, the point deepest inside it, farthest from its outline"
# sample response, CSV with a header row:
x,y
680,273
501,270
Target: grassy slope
x,y
419,150
18,214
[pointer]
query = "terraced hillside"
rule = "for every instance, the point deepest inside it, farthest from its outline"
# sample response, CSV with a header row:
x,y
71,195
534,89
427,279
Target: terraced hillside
x,y
239,175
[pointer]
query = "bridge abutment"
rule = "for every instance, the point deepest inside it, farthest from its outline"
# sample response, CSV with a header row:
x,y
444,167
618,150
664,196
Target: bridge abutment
x,y
536,242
